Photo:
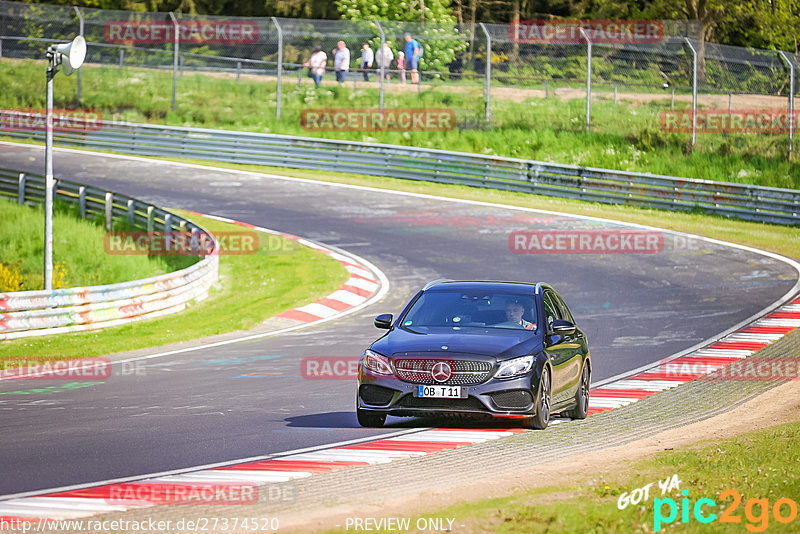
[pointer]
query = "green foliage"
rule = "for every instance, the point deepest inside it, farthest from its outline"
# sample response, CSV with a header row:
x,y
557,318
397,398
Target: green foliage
x,y
435,29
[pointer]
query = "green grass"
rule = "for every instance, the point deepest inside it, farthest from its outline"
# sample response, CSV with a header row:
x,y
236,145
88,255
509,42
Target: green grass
x,y
758,465
78,252
626,136
252,287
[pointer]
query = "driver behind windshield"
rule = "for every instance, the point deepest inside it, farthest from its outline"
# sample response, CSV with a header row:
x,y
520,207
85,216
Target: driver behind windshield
x,y
514,311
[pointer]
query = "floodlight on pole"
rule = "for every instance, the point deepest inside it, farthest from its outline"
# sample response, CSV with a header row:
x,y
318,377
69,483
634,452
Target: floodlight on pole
x,y
68,56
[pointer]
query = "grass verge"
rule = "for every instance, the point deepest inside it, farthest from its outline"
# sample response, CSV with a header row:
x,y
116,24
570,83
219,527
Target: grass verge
x,y
624,136
252,287
762,467
79,255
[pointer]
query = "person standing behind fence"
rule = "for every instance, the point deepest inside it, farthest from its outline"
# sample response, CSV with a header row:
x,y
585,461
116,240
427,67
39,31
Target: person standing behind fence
x,y
316,65
413,50
401,66
367,57
341,61
383,58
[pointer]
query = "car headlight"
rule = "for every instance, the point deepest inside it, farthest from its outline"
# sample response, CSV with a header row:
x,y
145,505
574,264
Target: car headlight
x,y
515,367
376,364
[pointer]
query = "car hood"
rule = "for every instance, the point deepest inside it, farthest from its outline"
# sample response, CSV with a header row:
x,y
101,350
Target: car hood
x,y
488,343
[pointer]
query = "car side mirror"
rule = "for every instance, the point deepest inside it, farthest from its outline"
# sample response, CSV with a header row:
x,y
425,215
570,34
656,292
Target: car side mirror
x,y
563,327
384,321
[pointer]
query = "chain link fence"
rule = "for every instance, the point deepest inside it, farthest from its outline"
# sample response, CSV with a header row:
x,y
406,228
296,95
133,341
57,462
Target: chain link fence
x,y
501,59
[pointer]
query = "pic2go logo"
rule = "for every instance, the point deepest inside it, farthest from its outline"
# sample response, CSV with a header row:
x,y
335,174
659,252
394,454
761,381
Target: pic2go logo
x,y
756,511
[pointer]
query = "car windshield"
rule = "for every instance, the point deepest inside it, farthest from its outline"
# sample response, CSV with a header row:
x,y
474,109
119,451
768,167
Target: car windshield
x,y
472,309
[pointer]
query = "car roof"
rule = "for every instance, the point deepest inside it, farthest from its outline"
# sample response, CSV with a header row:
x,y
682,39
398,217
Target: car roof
x,y
487,285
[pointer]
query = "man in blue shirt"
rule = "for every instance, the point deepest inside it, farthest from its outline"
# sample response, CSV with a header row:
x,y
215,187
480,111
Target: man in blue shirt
x,y
413,50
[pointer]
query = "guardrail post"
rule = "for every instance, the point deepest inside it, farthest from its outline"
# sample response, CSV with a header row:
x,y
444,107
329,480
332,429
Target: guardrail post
x,y
80,69
167,231
280,67
131,213
694,89
791,102
21,189
175,53
383,60
150,216
487,79
82,201
109,210
588,77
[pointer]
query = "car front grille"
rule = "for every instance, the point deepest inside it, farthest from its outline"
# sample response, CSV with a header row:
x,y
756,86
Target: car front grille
x,y
517,399
464,372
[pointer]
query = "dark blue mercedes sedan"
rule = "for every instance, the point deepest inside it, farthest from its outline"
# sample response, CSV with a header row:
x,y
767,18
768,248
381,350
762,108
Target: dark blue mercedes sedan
x,y
490,349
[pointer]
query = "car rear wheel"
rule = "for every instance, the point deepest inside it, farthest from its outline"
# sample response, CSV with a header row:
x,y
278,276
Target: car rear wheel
x,y
542,417
581,409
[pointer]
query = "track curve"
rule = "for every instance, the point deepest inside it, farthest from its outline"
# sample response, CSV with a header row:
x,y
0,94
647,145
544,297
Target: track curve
x,y
212,405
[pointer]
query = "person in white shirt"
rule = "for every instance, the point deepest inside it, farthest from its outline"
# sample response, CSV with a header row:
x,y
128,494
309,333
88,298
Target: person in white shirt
x,y
383,58
367,57
316,65
341,61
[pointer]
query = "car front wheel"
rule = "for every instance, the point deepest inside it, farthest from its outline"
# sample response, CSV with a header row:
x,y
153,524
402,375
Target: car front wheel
x,y
542,417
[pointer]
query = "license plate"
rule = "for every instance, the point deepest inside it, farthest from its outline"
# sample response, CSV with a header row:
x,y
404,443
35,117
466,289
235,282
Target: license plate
x,y
441,392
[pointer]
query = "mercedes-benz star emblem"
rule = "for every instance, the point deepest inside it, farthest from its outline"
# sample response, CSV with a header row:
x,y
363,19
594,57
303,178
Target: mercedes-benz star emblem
x,y
441,372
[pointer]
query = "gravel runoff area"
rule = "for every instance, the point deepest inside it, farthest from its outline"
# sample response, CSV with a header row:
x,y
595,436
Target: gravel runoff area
x,y
322,500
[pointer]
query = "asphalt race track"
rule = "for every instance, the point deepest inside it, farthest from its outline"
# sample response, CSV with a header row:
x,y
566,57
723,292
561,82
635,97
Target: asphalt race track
x,y
248,399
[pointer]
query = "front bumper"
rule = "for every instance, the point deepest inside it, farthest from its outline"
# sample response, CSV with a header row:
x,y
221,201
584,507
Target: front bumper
x,y
391,396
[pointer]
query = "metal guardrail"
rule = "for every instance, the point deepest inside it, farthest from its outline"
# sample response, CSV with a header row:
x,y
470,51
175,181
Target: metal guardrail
x,y
750,202
35,313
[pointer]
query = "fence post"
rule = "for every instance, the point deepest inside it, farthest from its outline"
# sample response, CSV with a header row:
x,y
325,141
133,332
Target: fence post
x,y
82,201
175,53
167,231
1,48
487,81
280,65
131,213
150,217
80,69
238,70
121,57
791,102
383,60
109,210
21,189
694,89
180,68
588,78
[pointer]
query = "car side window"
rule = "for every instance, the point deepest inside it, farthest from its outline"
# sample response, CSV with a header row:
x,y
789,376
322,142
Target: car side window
x,y
562,307
550,311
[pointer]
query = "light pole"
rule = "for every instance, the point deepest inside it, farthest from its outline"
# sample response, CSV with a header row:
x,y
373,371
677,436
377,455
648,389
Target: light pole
x,y
68,56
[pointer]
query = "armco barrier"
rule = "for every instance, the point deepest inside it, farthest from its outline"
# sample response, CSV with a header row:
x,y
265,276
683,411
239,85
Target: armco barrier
x,y
764,204
35,313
